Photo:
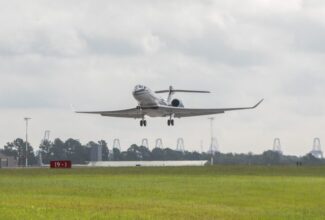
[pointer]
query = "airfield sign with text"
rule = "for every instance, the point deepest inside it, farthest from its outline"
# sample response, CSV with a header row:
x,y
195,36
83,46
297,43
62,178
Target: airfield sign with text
x,y
60,164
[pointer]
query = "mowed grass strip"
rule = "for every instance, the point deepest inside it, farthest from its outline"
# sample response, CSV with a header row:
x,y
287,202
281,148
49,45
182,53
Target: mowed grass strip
x,y
217,192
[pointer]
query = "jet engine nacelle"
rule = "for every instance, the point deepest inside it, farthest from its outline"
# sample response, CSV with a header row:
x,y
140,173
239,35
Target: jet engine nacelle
x,y
177,103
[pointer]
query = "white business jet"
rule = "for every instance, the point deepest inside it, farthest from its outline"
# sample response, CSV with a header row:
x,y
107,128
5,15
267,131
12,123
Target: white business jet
x,y
149,104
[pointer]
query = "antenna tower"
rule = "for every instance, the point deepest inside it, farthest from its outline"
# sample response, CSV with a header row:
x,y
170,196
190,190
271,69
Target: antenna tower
x,y
180,145
213,141
159,143
116,143
45,140
277,145
145,143
317,150
47,135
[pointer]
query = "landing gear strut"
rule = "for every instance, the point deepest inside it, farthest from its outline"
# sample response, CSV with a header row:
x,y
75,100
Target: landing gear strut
x,y
143,123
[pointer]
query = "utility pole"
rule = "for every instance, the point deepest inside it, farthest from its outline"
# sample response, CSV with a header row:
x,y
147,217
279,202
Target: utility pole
x,y
201,146
213,143
26,161
211,130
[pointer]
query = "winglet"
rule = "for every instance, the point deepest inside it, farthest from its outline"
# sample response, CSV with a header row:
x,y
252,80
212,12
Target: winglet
x,y
258,103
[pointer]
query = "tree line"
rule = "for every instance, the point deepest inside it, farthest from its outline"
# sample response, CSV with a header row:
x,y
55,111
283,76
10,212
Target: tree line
x,y
78,153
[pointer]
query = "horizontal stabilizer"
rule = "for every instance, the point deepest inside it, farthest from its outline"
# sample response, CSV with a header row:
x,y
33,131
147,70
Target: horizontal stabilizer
x,y
181,90
172,90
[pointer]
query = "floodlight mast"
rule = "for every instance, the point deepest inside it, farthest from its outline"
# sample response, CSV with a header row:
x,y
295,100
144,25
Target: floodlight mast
x,y
211,132
211,144
26,160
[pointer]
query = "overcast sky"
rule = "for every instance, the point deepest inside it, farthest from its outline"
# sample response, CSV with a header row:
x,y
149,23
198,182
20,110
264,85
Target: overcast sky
x,y
92,53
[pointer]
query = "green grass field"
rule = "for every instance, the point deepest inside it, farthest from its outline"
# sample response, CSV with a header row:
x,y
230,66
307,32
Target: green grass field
x,y
219,192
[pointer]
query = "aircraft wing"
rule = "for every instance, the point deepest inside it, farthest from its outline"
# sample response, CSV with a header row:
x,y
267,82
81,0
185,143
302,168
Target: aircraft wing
x,y
188,112
126,113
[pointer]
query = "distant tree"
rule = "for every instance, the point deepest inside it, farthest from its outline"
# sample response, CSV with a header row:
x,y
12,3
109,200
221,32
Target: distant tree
x,y
170,154
117,154
73,150
191,155
271,157
311,159
157,154
10,150
132,153
58,151
17,149
138,153
145,153
76,152
45,150
105,151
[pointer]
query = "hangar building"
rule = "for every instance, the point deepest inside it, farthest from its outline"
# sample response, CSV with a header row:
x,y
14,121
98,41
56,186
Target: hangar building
x,y
7,161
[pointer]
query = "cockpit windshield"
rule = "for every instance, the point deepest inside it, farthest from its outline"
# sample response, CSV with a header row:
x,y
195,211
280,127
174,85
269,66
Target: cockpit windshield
x,y
139,87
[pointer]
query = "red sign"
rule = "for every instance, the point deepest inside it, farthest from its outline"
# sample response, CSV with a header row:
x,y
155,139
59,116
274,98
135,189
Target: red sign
x,y
60,164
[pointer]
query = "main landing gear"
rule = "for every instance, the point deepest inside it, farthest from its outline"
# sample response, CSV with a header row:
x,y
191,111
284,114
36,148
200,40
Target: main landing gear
x,y
170,122
143,123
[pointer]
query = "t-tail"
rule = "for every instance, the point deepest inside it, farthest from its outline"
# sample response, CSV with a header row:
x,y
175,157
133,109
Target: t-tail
x,y
171,91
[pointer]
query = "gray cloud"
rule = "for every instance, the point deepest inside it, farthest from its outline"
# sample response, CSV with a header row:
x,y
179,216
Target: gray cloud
x,y
91,54
111,46
307,84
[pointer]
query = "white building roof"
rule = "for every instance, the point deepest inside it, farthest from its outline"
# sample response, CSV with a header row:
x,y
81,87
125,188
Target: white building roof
x,y
148,163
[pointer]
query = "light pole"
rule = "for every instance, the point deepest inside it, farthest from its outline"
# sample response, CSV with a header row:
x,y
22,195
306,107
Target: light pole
x,y
212,139
26,161
211,133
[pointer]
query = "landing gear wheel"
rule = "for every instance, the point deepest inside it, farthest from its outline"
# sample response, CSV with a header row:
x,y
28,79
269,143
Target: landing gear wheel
x,y
170,122
143,123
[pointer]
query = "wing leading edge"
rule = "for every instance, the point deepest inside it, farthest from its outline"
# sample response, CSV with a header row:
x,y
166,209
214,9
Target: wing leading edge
x,y
125,113
188,112
166,111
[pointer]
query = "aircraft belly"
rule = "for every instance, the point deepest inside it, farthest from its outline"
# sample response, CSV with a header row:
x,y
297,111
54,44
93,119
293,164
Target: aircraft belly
x,y
154,113
146,99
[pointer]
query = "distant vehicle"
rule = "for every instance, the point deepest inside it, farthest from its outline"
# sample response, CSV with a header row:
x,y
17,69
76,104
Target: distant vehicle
x,y
149,104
